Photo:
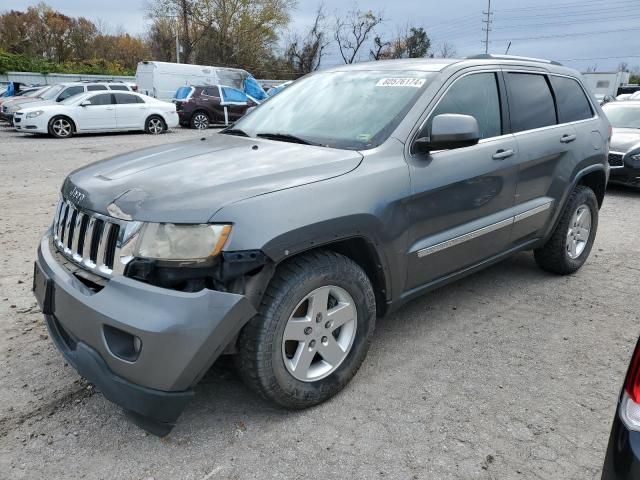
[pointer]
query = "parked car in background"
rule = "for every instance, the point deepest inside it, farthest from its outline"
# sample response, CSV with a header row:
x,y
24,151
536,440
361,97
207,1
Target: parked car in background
x,y
278,88
602,99
623,96
59,93
624,154
98,112
26,93
422,173
201,106
622,460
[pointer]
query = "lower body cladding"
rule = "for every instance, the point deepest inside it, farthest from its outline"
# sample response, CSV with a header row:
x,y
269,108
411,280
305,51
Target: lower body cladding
x,y
144,347
622,460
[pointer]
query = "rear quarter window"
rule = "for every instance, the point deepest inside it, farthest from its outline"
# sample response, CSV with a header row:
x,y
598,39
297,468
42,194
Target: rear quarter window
x,y
573,104
531,103
119,87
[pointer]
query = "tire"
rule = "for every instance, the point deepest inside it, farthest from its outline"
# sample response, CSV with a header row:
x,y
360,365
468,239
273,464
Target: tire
x,y
569,246
155,125
61,127
266,362
200,120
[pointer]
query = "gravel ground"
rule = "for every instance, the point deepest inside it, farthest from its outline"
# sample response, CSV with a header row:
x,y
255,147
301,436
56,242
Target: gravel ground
x,y
509,373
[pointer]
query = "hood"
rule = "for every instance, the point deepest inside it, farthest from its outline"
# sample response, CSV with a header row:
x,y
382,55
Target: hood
x,y
189,182
624,139
28,102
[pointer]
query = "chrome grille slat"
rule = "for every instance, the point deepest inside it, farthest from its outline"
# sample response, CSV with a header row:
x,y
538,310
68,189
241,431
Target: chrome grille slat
x,y
87,238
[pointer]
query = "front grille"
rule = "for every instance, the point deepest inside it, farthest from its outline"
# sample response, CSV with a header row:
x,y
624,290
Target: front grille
x,y
615,160
85,238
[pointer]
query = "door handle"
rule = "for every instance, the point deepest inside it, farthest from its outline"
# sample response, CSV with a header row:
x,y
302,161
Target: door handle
x,y
568,138
502,154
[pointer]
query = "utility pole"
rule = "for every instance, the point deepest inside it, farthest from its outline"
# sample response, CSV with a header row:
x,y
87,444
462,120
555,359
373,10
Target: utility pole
x,y
177,44
487,29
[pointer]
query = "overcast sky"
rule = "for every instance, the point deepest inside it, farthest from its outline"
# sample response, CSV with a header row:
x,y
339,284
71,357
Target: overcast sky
x,y
581,34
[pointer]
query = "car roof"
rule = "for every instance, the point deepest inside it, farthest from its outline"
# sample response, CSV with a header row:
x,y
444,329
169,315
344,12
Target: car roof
x,y
439,64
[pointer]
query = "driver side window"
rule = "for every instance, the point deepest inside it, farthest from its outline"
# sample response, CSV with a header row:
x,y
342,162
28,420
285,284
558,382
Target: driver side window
x,y
476,95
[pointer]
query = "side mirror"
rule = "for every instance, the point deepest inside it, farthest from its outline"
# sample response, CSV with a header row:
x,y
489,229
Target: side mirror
x,y
449,131
85,103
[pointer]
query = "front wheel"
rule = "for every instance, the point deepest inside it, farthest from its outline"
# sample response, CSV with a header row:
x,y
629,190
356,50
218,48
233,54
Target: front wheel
x,y
312,331
200,121
60,127
569,246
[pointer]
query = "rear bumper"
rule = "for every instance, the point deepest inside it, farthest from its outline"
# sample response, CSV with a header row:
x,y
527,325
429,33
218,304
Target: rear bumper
x,y
622,460
181,334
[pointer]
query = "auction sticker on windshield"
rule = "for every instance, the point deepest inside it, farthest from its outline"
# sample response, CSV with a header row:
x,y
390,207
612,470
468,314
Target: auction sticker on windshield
x,y
400,82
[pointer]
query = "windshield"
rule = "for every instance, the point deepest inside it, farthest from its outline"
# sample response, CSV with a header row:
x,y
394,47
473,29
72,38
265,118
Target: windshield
x,y
353,110
623,116
52,92
35,93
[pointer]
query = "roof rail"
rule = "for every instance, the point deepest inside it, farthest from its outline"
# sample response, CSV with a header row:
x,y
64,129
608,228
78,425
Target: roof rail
x,y
490,56
101,81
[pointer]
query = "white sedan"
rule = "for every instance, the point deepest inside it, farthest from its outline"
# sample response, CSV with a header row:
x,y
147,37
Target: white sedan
x,y
98,112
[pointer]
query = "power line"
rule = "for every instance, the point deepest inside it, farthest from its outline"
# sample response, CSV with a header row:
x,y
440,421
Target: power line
x,y
569,13
554,6
577,34
562,24
597,58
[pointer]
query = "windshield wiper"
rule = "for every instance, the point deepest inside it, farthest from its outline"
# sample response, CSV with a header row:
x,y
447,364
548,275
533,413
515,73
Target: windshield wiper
x,y
285,137
235,131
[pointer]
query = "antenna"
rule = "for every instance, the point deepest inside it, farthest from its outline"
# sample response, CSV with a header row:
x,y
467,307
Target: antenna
x,y
487,29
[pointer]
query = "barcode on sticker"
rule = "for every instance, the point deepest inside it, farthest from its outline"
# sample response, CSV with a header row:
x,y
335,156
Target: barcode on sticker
x,y
400,82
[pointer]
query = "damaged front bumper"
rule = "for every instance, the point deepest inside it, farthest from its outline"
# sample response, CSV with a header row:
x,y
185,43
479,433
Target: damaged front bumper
x,y
144,347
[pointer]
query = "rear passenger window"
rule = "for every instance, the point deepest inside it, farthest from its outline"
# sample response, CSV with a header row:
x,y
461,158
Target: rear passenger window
x,y
93,88
530,102
475,95
119,87
571,99
123,98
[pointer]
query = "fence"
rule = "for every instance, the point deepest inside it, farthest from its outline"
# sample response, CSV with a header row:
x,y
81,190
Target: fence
x,y
52,78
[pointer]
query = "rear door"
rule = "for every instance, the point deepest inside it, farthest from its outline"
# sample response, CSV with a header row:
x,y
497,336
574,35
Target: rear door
x,y
99,115
546,150
131,111
462,199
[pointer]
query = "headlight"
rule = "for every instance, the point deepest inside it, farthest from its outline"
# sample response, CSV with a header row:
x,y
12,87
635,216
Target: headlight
x,y
35,114
167,241
636,157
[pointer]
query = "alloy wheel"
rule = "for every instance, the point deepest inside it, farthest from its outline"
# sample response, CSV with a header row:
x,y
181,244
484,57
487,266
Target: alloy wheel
x,y
201,121
62,127
155,126
319,333
579,231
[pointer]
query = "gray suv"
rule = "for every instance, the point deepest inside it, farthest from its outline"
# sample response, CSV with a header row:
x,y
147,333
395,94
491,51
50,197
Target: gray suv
x,y
281,239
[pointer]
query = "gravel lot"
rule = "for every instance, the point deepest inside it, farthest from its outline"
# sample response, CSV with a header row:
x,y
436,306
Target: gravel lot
x,y
510,373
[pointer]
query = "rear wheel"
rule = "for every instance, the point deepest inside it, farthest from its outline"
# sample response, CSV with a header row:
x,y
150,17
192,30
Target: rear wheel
x,y
155,125
61,127
569,246
312,331
200,121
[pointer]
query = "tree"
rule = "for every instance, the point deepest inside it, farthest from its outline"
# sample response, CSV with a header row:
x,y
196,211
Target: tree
x,y
446,50
353,31
409,42
305,54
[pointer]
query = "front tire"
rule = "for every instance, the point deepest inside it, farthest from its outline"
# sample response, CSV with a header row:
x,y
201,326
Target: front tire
x,y
312,331
569,246
155,125
61,127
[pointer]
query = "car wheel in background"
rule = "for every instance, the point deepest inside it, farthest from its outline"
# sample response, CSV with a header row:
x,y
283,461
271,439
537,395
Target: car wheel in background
x,y
569,246
61,127
200,121
155,125
312,331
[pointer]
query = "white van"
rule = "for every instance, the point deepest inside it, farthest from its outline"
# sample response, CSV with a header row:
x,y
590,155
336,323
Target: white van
x,y
162,79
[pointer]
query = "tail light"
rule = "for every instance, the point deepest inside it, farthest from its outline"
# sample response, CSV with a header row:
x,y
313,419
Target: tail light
x,y
134,87
630,404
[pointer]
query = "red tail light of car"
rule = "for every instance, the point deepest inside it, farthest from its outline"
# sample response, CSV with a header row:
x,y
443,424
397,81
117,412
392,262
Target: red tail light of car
x,y
630,404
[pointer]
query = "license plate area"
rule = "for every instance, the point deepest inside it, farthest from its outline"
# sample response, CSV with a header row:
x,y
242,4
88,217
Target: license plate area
x,y
43,290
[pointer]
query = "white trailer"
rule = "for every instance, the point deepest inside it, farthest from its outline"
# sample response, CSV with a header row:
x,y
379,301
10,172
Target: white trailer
x,y
606,83
162,79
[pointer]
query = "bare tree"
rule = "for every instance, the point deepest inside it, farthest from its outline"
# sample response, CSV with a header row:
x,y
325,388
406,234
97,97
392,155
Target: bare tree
x,y
353,31
305,54
409,42
379,50
623,67
446,50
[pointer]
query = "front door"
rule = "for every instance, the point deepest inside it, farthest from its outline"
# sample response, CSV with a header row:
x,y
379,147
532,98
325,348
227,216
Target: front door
x,y
99,115
461,200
